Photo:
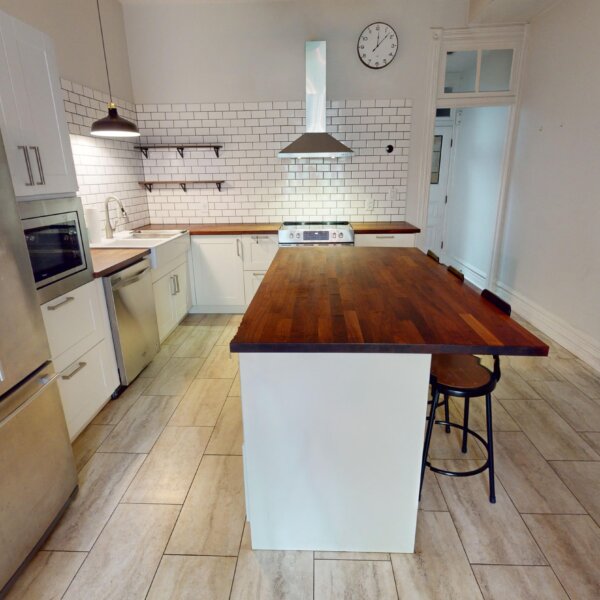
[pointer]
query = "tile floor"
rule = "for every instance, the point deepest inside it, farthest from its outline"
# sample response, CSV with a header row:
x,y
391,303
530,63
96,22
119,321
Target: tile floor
x,y
160,511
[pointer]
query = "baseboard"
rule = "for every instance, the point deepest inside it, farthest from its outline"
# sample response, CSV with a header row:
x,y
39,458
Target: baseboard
x,y
579,343
215,309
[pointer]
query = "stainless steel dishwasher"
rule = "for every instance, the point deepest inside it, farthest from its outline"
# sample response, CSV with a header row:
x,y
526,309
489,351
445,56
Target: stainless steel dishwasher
x,y
132,316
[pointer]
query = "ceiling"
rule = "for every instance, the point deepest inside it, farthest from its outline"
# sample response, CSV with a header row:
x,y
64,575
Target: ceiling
x,y
507,11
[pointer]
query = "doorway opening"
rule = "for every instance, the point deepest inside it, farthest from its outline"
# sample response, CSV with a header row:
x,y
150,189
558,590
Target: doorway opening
x,y
467,167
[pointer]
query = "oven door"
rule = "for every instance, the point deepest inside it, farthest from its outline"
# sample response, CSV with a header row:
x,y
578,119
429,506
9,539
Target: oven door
x,y
56,247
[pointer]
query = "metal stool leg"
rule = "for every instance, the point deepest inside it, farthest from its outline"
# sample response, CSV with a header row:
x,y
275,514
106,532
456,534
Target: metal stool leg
x,y
429,431
447,411
490,439
465,424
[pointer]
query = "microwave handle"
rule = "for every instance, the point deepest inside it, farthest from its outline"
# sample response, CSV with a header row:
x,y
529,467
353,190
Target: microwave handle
x,y
27,164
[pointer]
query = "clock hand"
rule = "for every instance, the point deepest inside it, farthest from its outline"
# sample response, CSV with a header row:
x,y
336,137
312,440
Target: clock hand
x,y
381,42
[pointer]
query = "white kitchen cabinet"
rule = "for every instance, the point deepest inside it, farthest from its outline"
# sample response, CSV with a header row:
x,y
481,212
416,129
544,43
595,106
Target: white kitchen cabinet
x,y
171,298
393,240
252,279
32,115
259,251
218,266
82,351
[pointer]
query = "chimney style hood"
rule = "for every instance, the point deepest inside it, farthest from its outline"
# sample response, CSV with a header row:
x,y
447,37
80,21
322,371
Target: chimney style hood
x,y
316,142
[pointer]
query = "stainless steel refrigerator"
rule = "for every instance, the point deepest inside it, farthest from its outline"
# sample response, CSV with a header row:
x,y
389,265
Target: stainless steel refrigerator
x,y
37,469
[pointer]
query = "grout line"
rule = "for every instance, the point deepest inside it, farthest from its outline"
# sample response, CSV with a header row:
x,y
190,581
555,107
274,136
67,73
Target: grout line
x,y
237,558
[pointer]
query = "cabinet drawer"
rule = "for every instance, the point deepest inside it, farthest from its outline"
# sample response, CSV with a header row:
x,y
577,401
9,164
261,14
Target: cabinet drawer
x,y
259,251
73,318
87,384
396,240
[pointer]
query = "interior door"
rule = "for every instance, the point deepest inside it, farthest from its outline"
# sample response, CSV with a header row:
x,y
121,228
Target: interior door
x,y
438,189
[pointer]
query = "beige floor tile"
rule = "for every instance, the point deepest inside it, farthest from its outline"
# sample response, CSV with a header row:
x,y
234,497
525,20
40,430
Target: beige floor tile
x,y
572,545
168,472
550,434
102,482
47,576
529,480
230,330
88,442
228,435
532,368
501,420
448,445
490,533
518,583
512,385
352,556
116,409
212,518
159,361
202,403
199,343
593,440
581,412
439,569
354,580
178,336
218,320
272,575
220,364
580,375
583,479
175,377
236,388
431,496
193,578
126,555
141,426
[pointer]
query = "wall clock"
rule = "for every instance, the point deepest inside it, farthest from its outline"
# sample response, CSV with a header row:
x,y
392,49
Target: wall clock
x,y
377,45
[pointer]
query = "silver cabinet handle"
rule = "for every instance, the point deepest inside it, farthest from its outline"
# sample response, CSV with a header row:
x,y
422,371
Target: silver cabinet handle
x,y
74,372
38,158
259,237
28,164
177,288
237,247
61,303
384,237
173,288
258,274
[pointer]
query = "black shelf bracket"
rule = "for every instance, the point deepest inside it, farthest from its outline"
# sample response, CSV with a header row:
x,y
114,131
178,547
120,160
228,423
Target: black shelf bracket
x,y
183,185
216,149
144,150
180,150
219,185
148,186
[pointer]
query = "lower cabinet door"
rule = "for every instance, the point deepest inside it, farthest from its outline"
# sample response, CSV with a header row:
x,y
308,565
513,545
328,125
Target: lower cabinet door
x,y
87,384
164,292
252,279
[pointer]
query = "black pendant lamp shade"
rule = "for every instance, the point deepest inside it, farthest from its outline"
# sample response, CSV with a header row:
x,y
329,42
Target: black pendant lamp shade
x,y
112,125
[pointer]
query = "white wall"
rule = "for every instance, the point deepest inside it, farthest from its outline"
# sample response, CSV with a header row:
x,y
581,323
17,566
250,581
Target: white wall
x,y
551,252
254,51
480,137
73,26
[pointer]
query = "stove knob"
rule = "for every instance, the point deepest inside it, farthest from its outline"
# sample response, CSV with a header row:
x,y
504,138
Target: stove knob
x,y
291,235
341,235
297,236
333,235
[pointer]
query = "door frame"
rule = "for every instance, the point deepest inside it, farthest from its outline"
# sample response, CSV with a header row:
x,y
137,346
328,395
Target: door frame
x,y
470,38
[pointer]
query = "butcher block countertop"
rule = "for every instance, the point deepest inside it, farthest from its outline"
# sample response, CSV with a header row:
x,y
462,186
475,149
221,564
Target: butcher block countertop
x,y
349,299
272,228
107,261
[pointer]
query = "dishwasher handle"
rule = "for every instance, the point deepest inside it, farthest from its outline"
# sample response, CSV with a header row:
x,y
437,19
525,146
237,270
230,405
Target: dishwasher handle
x,y
120,284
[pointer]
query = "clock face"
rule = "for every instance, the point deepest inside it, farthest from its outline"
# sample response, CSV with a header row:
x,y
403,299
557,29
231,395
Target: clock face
x,y
377,45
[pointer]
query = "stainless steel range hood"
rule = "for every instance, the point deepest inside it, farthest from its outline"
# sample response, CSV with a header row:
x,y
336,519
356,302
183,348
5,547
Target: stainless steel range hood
x,y
316,142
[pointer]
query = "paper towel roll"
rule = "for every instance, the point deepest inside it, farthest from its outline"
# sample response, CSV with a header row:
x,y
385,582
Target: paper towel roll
x,y
94,224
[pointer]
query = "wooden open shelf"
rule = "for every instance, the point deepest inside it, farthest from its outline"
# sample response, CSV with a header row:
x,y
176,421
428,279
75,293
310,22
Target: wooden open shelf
x,y
183,184
179,147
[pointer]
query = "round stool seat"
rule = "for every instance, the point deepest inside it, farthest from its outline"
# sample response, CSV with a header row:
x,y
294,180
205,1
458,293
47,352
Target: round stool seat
x,y
463,371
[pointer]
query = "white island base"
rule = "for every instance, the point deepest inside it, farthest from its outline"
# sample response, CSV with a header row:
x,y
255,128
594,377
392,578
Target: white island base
x,y
332,449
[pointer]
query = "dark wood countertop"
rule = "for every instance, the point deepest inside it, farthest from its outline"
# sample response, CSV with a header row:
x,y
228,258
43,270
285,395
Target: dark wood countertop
x,y
107,261
272,228
340,299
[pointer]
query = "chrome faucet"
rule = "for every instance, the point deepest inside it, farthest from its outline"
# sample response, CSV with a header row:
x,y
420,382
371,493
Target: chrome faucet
x,y
108,228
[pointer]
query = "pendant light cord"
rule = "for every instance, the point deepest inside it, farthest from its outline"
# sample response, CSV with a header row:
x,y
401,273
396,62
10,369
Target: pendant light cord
x,y
104,50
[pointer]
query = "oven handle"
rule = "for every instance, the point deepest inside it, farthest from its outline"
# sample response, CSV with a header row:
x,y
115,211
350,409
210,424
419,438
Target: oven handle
x,y
61,303
125,282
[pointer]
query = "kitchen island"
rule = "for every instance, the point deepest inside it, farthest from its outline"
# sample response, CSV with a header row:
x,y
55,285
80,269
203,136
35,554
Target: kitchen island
x,y
335,351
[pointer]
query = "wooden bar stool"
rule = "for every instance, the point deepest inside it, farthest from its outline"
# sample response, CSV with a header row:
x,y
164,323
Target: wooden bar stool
x,y
463,376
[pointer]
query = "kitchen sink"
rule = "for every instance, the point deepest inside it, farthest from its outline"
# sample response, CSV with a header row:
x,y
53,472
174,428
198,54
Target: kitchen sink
x,y
156,234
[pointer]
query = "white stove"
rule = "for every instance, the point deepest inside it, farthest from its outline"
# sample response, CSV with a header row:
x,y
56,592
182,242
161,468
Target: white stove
x,y
316,233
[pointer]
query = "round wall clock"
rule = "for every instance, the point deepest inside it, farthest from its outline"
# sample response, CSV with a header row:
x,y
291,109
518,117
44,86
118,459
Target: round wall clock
x,y
377,45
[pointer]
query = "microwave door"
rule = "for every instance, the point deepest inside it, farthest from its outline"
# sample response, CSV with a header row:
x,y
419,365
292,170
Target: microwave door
x,y
23,342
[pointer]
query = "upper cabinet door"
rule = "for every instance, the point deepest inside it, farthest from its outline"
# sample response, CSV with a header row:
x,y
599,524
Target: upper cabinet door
x,y
33,122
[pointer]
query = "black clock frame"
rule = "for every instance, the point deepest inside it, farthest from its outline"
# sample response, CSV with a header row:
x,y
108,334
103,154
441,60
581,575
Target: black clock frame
x,y
358,46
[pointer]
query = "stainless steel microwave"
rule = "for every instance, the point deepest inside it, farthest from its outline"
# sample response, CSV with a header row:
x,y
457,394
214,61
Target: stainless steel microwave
x,y
58,245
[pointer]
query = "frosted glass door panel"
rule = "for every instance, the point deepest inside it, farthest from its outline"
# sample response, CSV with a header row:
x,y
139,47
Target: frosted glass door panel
x,y
496,67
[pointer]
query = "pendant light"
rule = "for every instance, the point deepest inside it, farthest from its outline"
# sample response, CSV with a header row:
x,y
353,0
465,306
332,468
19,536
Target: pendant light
x,y
112,125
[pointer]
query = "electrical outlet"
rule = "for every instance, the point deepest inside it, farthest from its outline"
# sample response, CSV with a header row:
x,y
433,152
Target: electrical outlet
x,y
369,204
